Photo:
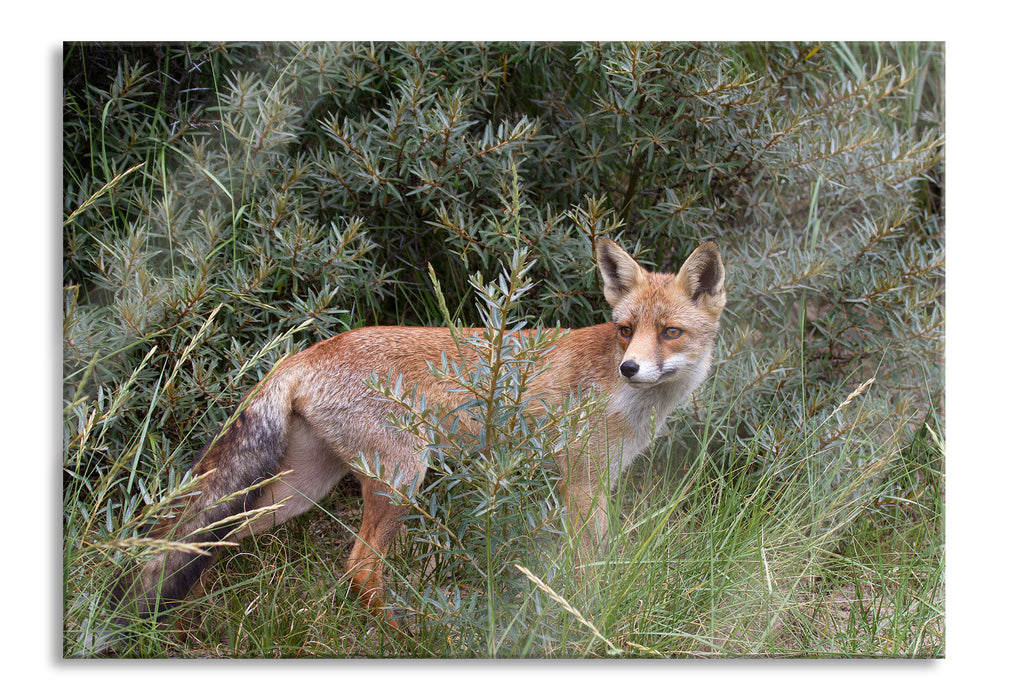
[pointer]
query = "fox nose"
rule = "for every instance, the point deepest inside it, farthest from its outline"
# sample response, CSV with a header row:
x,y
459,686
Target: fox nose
x,y
629,368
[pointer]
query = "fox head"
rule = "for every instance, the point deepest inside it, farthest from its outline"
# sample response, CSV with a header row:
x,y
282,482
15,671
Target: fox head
x,y
665,324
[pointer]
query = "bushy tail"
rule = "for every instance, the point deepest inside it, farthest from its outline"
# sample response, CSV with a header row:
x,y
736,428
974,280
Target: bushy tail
x,y
229,470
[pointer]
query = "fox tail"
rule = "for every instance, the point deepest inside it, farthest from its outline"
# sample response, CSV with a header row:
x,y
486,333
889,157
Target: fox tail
x,y
230,471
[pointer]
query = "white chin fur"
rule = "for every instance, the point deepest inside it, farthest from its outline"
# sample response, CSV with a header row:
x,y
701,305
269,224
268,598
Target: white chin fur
x,y
650,374
641,381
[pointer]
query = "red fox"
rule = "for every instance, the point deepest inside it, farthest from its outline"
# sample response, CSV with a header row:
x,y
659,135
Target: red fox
x,y
313,417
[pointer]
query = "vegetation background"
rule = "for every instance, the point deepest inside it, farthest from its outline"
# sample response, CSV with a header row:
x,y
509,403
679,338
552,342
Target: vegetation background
x,y
225,205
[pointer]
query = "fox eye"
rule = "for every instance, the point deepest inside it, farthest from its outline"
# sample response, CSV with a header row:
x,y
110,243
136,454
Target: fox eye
x,y
625,331
672,333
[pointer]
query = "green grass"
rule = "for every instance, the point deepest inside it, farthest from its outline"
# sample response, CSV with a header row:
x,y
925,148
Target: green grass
x,y
711,559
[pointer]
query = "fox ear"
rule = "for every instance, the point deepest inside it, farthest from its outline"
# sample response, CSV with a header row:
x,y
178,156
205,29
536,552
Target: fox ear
x,y
619,271
702,277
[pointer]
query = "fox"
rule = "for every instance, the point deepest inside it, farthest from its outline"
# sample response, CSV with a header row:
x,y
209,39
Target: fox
x,y
311,421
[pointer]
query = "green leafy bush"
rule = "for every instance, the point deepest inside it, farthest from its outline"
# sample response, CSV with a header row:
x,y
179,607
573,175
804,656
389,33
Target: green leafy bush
x,y
226,205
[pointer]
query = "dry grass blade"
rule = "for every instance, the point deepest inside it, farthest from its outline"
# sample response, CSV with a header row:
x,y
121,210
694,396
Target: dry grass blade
x,y
862,387
97,195
558,598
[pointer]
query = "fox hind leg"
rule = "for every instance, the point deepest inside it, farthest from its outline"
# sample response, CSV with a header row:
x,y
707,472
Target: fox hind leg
x,y
366,562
